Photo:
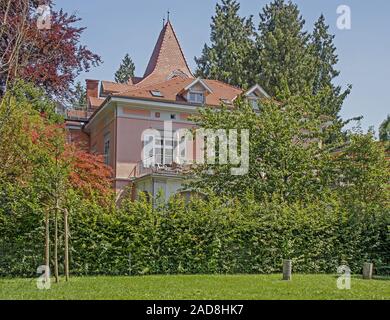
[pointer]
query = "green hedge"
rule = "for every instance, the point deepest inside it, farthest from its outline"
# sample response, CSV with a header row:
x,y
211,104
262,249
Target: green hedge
x,y
205,236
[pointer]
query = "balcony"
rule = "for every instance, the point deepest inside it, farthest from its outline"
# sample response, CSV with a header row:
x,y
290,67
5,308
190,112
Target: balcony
x,y
78,113
144,168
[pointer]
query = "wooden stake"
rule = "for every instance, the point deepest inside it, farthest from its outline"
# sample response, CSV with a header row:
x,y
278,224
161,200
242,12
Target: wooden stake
x,y
56,245
66,229
47,243
287,267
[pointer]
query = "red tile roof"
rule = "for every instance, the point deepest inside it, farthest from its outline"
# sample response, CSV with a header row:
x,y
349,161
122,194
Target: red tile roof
x,y
167,57
95,102
172,91
109,87
167,72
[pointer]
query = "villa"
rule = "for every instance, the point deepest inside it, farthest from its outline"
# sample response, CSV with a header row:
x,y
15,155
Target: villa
x,y
125,122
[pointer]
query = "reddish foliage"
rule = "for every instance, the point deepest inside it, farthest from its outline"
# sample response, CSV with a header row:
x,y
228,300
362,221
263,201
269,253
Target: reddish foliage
x,y
90,174
51,58
87,172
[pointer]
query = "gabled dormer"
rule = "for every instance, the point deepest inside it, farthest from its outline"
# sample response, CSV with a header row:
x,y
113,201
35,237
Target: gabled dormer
x,y
255,95
196,92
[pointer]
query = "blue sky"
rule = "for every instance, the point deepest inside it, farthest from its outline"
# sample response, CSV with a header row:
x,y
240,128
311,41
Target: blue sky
x,y
117,27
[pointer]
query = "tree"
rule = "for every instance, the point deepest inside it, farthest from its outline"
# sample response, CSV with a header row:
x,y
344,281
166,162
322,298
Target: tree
x,y
228,58
79,98
284,62
40,169
284,153
325,56
125,71
384,130
50,58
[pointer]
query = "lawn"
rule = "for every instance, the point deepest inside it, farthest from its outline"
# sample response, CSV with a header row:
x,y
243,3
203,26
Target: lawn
x,y
244,287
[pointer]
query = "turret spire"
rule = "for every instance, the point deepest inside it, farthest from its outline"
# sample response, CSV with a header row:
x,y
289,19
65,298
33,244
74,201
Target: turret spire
x,y
167,57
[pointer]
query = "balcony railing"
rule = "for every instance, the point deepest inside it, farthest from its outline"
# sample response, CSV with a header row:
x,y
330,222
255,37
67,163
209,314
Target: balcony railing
x,y
144,168
81,113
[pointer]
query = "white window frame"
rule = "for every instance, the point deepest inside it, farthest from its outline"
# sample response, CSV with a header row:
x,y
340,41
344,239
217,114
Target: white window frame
x,y
195,92
148,150
158,149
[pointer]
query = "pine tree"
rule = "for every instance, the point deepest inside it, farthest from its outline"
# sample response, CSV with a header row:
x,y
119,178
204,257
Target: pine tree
x,y
325,56
79,97
228,57
384,130
125,71
284,62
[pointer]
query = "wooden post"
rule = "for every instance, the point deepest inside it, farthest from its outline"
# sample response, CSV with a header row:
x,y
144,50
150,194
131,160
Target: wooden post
x,y
287,267
66,229
47,244
56,245
367,270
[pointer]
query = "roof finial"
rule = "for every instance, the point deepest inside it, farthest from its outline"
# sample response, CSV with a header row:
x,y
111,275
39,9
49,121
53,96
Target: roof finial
x,y
163,22
168,15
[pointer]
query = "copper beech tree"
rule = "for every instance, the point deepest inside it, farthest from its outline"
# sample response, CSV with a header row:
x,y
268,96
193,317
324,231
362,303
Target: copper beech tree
x,y
50,57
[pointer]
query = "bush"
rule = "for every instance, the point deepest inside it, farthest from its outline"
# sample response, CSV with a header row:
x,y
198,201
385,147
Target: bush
x,y
226,236
214,235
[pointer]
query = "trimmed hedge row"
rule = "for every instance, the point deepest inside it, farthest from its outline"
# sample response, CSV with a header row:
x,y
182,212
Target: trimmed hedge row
x,y
213,236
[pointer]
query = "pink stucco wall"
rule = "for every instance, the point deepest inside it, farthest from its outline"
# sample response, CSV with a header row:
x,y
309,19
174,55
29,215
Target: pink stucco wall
x,y
129,142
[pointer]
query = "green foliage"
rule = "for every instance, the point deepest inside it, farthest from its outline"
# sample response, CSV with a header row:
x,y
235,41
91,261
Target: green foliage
x,y
79,98
384,130
285,155
284,57
36,97
213,235
326,59
125,71
228,58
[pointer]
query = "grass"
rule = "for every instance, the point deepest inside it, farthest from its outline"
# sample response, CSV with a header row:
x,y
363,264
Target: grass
x,y
212,287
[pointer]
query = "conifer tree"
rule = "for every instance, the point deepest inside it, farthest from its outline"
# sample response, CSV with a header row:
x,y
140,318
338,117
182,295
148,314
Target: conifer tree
x,y
384,130
284,63
125,71
228,57
325,56
79,97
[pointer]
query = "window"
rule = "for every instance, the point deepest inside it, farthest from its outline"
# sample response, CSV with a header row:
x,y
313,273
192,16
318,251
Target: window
x,y
160,149
157,114
173,116
148,156
156,93
255,103
196,97
106,150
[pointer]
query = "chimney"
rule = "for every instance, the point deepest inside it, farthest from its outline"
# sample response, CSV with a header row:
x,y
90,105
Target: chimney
x,y
92,88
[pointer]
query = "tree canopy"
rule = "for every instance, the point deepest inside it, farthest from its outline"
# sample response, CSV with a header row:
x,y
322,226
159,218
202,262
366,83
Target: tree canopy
x,y
125,71
50,58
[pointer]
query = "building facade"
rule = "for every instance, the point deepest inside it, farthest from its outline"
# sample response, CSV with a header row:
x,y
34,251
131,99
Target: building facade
x,y
139,126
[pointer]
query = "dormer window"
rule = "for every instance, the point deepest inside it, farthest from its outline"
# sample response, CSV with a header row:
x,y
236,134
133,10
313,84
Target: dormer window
x,y
197,91
196,97
255,95
255,103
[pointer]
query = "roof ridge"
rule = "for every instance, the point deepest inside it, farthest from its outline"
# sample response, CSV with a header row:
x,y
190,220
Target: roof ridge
x,y
226,84
181,50
150,86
